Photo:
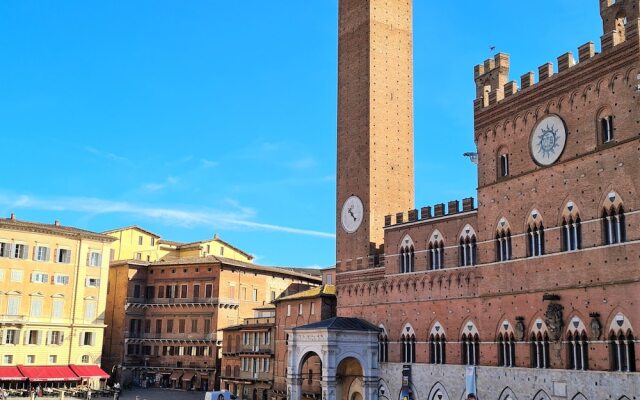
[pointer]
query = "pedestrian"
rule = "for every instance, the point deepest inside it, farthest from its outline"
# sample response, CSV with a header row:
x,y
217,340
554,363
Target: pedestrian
x,y
32,394
471,396
89,394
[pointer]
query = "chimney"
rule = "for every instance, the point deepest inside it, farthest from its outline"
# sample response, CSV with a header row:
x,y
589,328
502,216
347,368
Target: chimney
x,y
56,223
13,217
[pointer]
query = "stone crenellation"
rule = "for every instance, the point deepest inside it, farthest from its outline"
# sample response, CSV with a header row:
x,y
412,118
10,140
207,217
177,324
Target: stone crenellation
x,y
620,23
426,213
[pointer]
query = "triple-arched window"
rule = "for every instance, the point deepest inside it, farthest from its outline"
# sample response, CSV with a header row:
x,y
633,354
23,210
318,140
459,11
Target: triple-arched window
x,y
467,248
613,226
383,346
535,235
571,230
437,345
539,345
506,346
408,345
436,251
578,345
622,345
503,241
470,341
407,256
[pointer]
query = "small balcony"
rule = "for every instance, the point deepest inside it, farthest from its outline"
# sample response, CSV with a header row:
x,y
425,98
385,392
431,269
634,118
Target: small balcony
x,y
13,319
194,301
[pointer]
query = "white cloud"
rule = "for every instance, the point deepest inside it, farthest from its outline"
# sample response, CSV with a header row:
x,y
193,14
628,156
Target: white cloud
x,y
208,163
303,163
238,218
154,187
103,154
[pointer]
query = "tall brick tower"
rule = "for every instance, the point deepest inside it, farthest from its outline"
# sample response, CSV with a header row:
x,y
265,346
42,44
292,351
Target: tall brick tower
x,y
375,124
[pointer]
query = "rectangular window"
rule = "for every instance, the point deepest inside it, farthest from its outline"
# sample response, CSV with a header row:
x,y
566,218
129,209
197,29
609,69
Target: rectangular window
x,y
329,279
140,240
12,336
36,307
254,295
42,253
57,309
89,311
169,326
183,291
504,165
136,291
33,337
196,291
20,251
64,256
147,326
273,295
181,325
194,325
150,292
13,305
87,339
288,310
232,291
160,292
313,308
39,277
207,326
158,326
53,359
221,251
92,282
56,337
94,259
138,256
7,359
243,293
60,279
153,241
31,359
300,309
17,275
5,249
208,291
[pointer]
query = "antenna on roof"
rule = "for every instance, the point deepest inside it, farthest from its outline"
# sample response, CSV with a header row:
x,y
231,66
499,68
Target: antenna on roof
x,y
473,157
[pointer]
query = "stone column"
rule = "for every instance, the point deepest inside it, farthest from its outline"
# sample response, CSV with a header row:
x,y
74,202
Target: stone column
x,y
294,387
370,387
328,388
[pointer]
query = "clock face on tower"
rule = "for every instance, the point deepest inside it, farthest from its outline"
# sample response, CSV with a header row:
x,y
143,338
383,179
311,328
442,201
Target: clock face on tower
x,y
352,213
548,140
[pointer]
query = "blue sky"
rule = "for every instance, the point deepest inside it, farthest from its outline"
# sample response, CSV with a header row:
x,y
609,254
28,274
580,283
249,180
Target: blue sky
x,y
194,117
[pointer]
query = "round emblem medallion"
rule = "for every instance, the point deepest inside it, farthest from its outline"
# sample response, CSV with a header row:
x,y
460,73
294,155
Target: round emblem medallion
x,y
548,140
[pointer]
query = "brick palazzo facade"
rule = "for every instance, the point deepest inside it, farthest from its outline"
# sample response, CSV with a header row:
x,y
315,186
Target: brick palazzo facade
x,y
533,291
165,318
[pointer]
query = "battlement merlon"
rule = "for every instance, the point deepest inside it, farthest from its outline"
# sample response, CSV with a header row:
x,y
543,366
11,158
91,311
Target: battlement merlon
x,y
491,76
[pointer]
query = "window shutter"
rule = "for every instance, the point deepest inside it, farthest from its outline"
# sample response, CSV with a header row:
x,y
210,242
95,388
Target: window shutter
x,y
2,336
26,252
49,338
88,257
47,252
81,338
87,281
56,251
35,253
40,335
93,339
26,337
98,282
10,247
99,260
61,340
45,278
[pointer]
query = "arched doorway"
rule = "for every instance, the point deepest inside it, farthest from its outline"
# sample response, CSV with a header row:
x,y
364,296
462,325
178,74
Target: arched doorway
x,y
311,373
349,379
255,394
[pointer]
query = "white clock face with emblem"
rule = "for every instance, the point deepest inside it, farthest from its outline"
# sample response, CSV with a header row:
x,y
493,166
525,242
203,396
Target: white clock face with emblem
x,y
352,214
548,140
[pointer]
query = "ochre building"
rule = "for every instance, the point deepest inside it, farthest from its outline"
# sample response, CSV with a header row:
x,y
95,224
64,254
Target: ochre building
x,y
531,293
53,291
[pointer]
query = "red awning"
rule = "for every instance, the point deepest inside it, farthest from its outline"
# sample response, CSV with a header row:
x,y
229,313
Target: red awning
x,y
89,371
11,374
48,373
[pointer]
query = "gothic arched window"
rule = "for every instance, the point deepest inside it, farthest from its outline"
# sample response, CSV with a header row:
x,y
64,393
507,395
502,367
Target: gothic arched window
x,y
613,220
407,256
436,251
467,248
571,230
578,346
622,345
535,235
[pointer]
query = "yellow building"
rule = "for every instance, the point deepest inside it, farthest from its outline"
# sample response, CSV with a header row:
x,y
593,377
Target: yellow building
x,y
135,243
53,291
